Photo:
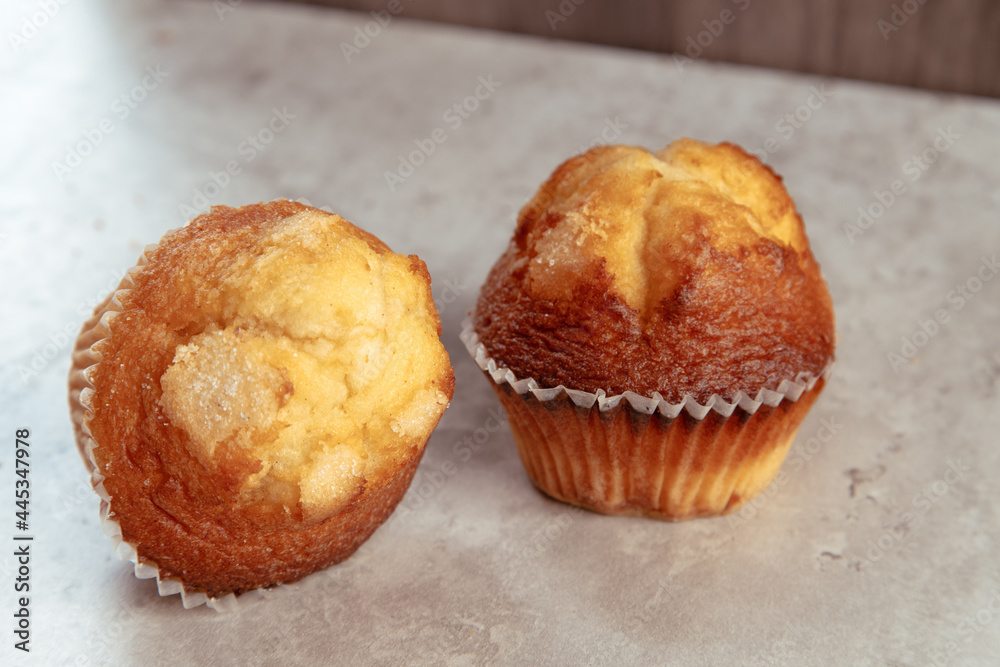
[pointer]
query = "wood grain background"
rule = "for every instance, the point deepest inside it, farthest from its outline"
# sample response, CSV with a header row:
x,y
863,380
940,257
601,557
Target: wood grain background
x,y
948,45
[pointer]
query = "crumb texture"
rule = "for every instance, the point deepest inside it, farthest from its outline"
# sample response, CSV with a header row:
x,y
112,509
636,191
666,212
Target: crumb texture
x,y
685,271
273,379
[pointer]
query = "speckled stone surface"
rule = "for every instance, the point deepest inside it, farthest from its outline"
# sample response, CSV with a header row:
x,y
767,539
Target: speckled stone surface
x,y
878,544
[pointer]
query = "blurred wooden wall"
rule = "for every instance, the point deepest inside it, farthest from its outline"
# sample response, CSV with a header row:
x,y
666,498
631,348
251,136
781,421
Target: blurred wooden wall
x,y
950,45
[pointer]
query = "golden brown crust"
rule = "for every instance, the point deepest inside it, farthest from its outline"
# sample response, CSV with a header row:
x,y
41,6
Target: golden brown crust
x,y
683,272
191,514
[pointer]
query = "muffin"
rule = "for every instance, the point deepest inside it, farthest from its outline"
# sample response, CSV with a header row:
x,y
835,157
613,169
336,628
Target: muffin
x,y
255,398
656,330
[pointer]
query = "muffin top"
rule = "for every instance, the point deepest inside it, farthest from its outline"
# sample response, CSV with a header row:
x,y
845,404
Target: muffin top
x,y
269,364
683,272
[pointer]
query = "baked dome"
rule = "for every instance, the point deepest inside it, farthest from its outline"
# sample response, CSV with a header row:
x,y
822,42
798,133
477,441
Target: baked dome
x,y
264,395
683,272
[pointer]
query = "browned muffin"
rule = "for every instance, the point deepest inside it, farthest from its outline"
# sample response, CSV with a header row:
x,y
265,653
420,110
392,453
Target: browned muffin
x,y
256,400
684,274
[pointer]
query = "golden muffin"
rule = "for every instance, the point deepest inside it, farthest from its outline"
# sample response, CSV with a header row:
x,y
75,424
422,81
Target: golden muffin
x,y
255,400
663,292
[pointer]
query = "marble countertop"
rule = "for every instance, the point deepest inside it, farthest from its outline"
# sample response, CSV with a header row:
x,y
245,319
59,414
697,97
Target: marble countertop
x,y
879,546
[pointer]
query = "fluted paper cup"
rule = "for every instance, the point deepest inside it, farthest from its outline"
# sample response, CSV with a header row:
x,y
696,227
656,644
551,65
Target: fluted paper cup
x,y
641,455
85,357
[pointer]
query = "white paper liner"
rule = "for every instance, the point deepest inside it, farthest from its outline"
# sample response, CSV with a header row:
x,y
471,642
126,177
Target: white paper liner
x,y
787,389
81,397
